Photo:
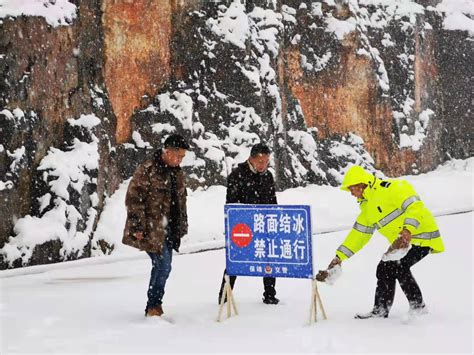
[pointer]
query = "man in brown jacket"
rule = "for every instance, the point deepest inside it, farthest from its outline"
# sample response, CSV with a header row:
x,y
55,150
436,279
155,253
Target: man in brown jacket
x,y
156,214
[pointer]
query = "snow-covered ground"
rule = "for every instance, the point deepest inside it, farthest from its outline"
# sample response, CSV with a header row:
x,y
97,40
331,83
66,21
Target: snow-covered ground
x,y
96,305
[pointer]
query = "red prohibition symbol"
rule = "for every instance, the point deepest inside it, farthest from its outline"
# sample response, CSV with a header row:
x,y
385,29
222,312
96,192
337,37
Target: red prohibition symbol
x,y
241,235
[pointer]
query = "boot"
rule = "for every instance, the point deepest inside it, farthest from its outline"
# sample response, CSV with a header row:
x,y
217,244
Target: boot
x,y
154,312
418,310
371,314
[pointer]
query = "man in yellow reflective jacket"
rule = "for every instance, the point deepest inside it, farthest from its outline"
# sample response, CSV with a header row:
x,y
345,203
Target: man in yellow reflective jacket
x,y
393,208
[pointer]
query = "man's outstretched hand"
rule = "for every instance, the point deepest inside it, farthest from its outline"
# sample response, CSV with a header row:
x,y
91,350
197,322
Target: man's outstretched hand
x,y
323,275
402,242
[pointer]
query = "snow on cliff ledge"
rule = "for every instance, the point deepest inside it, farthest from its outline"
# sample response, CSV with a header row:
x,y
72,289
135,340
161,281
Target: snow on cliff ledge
x,y
459,15
55,12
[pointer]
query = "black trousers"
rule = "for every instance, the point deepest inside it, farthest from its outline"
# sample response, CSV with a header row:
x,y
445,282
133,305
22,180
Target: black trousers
x,y
268,284
388,272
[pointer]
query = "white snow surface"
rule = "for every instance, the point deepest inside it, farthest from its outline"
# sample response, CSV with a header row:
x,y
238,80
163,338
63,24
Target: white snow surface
x,y
56,12
88,121
96,304
459,21
69,166
340,28
415,140
232,25
180,105
459,15
4,185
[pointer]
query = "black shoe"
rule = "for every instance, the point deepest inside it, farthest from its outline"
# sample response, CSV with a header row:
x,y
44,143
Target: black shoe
x,y
371,314
270,300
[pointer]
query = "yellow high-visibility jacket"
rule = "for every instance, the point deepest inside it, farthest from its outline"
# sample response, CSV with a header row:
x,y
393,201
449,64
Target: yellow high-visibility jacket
x,y
388,206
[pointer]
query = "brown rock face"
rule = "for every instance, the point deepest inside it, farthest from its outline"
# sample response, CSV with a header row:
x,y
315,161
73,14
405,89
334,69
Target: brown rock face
x,y
426,95
345,99
51,75
43,76
137,54
44,61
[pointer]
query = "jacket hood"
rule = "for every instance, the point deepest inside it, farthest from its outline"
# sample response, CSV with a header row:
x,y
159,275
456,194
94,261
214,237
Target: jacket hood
x,y
357,175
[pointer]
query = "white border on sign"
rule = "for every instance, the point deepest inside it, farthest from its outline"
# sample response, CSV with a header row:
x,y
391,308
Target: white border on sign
x,y
308,235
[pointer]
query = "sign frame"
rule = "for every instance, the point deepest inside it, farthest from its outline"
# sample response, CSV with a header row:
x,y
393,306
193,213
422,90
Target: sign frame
x,y
238,258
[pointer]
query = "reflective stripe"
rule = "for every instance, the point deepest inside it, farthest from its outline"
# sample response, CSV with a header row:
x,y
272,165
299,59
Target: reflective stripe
x,y
389,218
412,222
427,235
363,229
398,212
409,201
345,250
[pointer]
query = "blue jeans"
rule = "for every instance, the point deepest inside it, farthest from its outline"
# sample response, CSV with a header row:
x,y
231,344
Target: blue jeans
x,y
161,268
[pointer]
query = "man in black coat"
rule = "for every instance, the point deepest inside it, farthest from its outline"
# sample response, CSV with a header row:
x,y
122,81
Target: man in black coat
x,y
252,183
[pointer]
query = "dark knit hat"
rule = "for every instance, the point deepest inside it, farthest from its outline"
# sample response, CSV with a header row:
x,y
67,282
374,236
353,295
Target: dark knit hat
x,y
176,141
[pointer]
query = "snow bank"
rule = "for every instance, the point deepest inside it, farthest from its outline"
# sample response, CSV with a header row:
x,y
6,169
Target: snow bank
x,y
111,223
